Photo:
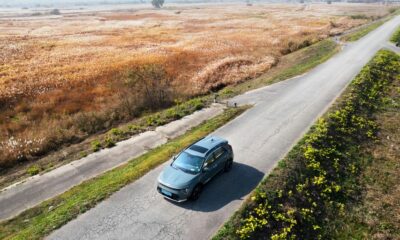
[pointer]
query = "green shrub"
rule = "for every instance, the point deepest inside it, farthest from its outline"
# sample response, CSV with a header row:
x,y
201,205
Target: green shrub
x,y
83,154
227,92
392,10
96,145
173,114
109,142
33,170
196,103
134,128
155,120
359,16
396,36
116,132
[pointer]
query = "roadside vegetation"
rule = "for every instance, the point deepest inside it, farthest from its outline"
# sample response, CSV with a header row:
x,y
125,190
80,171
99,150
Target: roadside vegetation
x,y
59,87
106,139
316,184
351,37
396,37
374,214
364,30
39,221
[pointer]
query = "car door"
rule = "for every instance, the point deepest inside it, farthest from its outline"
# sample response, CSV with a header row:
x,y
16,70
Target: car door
x,y
220,156
211,167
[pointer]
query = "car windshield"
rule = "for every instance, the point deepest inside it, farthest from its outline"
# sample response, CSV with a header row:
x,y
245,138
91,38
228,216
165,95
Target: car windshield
x,y
188,163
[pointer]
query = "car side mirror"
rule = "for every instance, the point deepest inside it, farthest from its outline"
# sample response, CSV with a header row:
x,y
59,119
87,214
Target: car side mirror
x,y
206,169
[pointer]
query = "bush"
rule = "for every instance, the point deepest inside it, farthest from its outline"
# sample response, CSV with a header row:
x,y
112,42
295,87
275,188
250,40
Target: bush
x,y
83,154
359,16
96,145
90,123
159,119
33,170
152,85
134,128
116,132
392,10
173,114
109,142
396,37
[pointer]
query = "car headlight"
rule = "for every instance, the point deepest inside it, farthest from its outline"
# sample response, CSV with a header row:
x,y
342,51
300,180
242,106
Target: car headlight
x,y
185,190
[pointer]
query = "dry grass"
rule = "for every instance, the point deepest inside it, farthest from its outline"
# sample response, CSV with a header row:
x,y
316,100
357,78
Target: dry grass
x,y
57,74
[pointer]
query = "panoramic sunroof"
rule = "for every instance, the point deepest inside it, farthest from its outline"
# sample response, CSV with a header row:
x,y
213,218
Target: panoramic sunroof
x,y
198,149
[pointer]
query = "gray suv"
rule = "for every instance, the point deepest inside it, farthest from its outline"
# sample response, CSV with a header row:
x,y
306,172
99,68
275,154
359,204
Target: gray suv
x,y
191,169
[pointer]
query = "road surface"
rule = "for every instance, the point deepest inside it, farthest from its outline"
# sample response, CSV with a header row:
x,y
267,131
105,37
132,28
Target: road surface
x,y
283,112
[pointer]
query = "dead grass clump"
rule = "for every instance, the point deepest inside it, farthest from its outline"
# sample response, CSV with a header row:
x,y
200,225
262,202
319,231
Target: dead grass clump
x,y
230,70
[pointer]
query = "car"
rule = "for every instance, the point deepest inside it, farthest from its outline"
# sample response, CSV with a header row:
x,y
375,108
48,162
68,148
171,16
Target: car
x,y
192,168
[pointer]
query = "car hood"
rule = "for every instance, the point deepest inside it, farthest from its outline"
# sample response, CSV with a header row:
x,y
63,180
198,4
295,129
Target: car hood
x,y
175,178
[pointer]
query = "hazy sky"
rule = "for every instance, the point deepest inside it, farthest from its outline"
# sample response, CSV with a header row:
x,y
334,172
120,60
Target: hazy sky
x,y
63,3
60,3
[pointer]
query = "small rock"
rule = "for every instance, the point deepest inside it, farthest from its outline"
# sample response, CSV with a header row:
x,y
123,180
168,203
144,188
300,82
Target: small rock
x,y
51,208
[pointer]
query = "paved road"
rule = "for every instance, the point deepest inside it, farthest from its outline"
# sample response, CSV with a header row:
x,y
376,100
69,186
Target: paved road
x,y
260,137
21,196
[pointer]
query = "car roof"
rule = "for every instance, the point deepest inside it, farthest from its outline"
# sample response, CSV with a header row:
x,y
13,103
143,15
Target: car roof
x,y
203,146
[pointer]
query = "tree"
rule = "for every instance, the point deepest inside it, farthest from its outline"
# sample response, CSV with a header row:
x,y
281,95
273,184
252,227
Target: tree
x,y
157,3
151,85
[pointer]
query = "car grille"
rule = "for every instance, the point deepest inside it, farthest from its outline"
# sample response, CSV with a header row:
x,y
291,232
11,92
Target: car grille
x,y
174,196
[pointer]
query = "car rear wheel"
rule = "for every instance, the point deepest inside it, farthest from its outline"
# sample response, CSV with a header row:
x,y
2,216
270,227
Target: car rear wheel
x,y
228,165
196,192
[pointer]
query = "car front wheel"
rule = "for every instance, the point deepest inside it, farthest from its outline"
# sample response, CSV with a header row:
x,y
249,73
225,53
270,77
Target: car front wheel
x,y
196,192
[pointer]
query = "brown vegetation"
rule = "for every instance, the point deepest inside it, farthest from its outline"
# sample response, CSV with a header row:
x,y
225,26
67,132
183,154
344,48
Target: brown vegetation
x,y
64,78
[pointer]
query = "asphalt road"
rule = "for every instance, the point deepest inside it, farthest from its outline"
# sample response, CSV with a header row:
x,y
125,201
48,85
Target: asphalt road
x,y
283,112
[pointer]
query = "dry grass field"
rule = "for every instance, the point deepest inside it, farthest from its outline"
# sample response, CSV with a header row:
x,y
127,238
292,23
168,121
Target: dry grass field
x,y
64,77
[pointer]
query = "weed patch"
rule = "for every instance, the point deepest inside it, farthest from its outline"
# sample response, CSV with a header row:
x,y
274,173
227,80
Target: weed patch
x,y
396,37
351,37
33,170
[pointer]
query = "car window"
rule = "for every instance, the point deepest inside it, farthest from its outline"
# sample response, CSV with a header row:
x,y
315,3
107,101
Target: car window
x,y
209,160
219,152
188,162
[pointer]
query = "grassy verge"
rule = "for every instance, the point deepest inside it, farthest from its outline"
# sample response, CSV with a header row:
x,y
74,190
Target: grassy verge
x,y
39,221
362,31
290,65
319,178
375,215
396,36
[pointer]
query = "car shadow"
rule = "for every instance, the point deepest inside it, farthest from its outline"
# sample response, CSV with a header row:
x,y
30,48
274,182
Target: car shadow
x,y
225,188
